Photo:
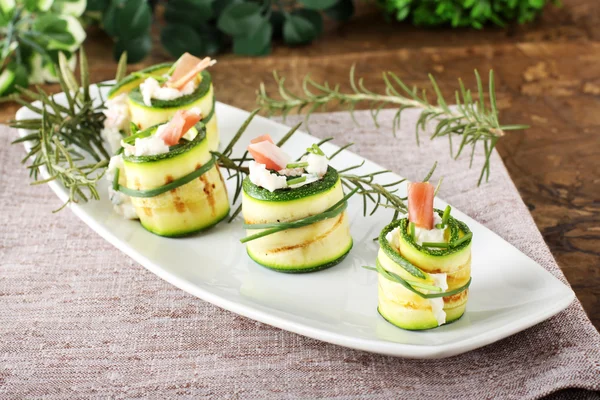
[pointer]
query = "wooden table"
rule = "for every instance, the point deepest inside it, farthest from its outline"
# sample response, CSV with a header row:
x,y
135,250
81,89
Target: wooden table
x,y
548,76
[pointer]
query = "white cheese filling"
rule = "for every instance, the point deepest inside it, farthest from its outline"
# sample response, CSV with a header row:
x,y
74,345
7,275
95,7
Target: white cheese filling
x,y
261,176
434,235
437,304
151,89
315,170
117,120
317,164
148,146
121,203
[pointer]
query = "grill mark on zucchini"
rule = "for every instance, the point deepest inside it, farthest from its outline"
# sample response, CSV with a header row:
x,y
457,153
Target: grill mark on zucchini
x,y
282,195
201,90
209,194
460,267
456,297
313,240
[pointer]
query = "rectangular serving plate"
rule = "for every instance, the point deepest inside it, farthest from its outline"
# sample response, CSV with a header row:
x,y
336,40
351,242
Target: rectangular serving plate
x,y
509,293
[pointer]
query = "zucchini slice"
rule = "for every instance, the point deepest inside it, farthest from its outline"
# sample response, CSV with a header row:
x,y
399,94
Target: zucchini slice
x,y
310,248
186,209
403,257
134,80
163,110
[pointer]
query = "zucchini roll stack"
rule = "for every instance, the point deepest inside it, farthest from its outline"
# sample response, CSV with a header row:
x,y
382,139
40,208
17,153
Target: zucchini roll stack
x,y
424,265
294,212
155,94
171,178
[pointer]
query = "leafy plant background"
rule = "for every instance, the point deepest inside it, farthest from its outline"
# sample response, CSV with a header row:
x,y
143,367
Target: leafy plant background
x,y
462,13
34,32
207,27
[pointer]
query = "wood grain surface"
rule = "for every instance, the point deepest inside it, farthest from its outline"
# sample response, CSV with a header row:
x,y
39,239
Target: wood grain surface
x,y
548,76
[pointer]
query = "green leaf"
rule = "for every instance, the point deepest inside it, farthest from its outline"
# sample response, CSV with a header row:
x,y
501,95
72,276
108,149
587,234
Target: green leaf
x,y
402,13
219,6
189,12
109,19
537,3
7,7
241,19
276,21
342,11
318,4
177,39
314,17
258,44
298,30
54,29
12,76
137,49
97,5
212,38
37,5
133,19
76,8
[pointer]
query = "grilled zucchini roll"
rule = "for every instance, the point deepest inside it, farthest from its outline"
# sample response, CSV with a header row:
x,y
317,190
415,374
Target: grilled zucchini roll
x,y
294,213
424,265
173,183
421,287
313,247
156,93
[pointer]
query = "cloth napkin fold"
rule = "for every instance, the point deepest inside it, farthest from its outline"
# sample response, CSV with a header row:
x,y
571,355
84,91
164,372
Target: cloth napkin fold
x,y
78,319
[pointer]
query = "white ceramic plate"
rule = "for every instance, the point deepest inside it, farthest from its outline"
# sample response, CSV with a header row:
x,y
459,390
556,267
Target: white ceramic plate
x,y
510,292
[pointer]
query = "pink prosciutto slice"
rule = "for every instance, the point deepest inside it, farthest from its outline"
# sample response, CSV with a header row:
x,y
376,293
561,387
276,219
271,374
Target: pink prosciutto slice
x,y
264,151
420,204
181,122
262,138
188,66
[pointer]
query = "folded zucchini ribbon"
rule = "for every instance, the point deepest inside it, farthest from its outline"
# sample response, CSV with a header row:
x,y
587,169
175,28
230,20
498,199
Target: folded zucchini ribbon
x,y
410,285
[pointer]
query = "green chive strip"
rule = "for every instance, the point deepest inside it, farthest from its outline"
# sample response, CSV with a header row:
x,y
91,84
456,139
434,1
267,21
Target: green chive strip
x,y
115,183
297,165
275,227
425,286
446,215
412,230
295,181
440,245
133,128
463,239
396,278
316,149
143,75
169,186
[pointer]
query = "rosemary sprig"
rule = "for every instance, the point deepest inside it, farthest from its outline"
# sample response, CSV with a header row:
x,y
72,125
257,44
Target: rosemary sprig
x,y
471,120
64,135
380,195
